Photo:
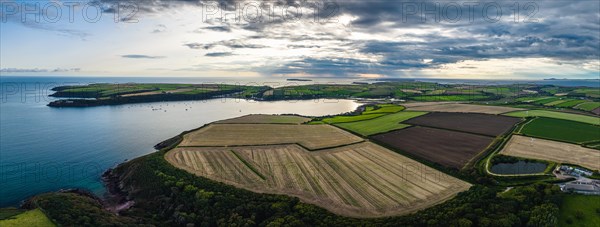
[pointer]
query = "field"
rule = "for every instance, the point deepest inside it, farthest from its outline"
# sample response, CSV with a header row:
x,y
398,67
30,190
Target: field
x,y
557,102
570,103
353,118
448,148
29,218
546,100
462,108
527,147
417,104
105,90
490,125
383,108
451,97
563,130
360,180
265,119
557,115
589,92
586,205
382,124
530,99
310,136
588,106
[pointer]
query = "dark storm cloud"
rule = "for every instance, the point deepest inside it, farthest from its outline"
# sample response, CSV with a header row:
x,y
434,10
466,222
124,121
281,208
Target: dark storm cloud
x,y
219,54
233,44
558,29
141,56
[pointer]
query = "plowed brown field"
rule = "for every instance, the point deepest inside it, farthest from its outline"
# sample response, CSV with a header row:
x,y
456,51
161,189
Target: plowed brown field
x,y
445,147
485,124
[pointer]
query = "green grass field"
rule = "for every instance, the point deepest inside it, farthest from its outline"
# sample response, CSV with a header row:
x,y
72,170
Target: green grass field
x,y
570,103
580,210
557,115
344,119
557,102
563,130
546,100
588,106
384,108
589,92
27,219
451,98
382,124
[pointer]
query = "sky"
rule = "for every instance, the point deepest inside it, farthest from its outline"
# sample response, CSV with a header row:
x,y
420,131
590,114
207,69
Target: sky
x,y
494,39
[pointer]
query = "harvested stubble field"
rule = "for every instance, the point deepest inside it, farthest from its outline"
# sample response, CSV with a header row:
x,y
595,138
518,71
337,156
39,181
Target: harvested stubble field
x,y
265,119
486,124
461,108
359,180
558,115
310,136
527,147
448,148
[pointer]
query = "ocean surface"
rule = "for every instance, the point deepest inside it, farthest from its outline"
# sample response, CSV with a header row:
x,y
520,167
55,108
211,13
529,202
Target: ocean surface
x,y
45,149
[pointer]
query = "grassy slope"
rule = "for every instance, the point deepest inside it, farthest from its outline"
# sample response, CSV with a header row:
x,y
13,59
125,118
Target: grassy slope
x,y
570,103
588,106
547,100
451,98
557,115
344,119
588,205
382,124
563,130
385,108
29,218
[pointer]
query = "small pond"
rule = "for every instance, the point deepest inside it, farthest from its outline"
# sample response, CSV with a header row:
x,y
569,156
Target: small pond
x,y
520,167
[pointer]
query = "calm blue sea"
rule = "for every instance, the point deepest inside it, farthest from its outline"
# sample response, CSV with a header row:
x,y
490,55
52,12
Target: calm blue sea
x,y
45,149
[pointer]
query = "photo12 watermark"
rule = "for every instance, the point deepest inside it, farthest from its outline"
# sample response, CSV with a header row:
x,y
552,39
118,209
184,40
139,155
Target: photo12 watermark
x,y
252,12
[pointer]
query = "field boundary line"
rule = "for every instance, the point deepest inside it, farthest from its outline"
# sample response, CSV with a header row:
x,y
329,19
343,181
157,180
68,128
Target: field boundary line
x,y
280,144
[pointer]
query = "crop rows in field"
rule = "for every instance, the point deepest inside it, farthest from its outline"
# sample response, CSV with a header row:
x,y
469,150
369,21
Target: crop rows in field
x,y
310,136
265,119
485,124
361,180
448,148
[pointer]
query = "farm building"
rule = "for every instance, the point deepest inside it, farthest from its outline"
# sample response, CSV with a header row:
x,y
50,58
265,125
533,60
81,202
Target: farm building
x,y
588,188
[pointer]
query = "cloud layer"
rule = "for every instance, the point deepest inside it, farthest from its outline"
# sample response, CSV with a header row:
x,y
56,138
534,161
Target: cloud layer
x,y
395,38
